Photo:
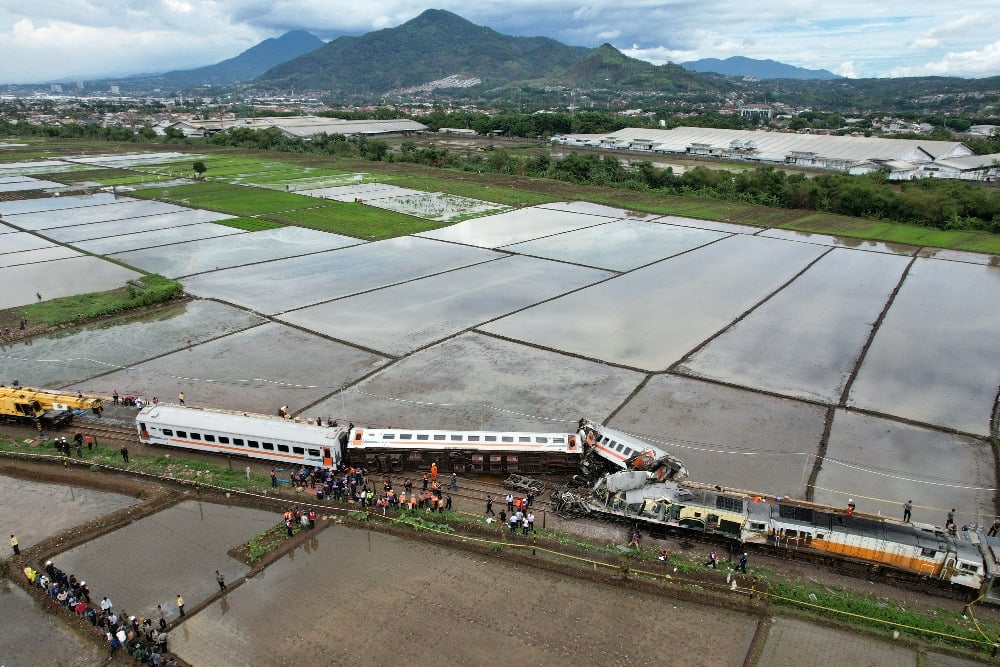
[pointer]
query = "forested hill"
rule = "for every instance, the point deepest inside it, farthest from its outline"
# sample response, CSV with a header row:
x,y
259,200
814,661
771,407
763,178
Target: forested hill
x,y
434,45
761,69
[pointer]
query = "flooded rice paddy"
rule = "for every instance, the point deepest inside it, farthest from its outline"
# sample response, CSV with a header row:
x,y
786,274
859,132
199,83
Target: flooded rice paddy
x,y
86,213
157,237
199,256
528,616
12,208
399,319
35,511
16,241
934,358
73,355
504,229
31,636
131,226
619,245
765,350
175,551
287,284
63,277
661,312
882,463
36,256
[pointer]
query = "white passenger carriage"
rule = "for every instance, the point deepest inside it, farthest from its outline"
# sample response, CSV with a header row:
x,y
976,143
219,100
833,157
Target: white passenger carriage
x,y
254,436
396,449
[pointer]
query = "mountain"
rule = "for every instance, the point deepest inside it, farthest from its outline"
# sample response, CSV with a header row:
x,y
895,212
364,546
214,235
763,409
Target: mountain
x,y
434,45
607,67
759,69
248,65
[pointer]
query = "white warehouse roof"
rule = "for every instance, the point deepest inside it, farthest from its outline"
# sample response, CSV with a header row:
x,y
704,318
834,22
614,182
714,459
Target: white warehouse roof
x,y
770,146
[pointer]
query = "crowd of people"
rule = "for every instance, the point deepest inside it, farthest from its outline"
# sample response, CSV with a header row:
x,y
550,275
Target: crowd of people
x,y
143,639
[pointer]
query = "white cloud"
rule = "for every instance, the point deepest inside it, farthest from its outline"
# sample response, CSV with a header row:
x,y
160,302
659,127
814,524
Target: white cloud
x,y
847,69
59,38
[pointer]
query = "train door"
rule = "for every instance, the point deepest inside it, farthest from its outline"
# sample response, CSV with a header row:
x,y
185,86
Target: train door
x,y
143,433
327,458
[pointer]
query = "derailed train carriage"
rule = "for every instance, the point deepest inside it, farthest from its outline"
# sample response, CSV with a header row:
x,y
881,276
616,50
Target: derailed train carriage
x,y
872,544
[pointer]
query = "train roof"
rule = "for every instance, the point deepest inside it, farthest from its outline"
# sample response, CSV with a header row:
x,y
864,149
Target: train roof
x,y
924,536
252,426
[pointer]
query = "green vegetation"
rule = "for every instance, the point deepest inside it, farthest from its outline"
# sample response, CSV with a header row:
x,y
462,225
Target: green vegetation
x,y
357,220
249,224
417,523
144,291
263,543
940,625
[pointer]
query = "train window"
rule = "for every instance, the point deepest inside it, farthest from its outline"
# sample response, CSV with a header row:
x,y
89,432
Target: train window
x,y
524,438
298,450
168,431
969,567
196,436
238,442
541,440
929,553
473,438
224,439
558,441
389,436
253,444
697,515
440,436
209,438
477,458
507,438
312,452
757,526
628,451
456,438
269,446
819,536
283,448
729,504
490,438
619,448
405,436
182,434
423,436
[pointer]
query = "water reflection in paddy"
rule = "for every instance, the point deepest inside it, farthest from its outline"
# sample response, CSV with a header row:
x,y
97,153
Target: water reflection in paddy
x,y
524,224
880,464
12,208
589,208
72,355
159,237
454,383
727,436
213,254
287,284
97,230
841,241
432,308
64,277
119,210
804,340
257,370
21,241
39,255
619,245
31,636
653,316
934,357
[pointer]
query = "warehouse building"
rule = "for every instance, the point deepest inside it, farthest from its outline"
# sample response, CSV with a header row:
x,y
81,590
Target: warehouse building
x,y
904,158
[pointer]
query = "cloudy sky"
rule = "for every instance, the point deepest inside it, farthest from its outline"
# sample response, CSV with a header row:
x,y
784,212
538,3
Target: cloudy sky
x,y
44,40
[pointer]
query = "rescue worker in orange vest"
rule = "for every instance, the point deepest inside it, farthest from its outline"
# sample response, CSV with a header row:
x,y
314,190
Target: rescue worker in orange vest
x,y
434,471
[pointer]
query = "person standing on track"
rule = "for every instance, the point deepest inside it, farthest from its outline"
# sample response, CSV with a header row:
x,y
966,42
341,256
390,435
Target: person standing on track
x,y
489,506
907,510
180,398
124,453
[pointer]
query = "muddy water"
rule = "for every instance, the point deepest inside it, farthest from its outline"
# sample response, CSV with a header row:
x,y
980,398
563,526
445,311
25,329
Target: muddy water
x,y
788,640
214,254
73,355
524,224
728,436
960,256
32,637
881,464
35,511
258,370
286,284
934,358
433,308
84,214
620,245
149,223
804,341
350,593
474,380
65,277
176,551
653,316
